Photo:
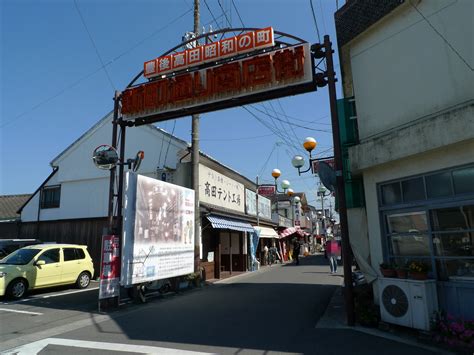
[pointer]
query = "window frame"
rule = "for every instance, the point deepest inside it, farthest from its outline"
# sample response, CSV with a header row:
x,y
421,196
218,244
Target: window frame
x,y
50,204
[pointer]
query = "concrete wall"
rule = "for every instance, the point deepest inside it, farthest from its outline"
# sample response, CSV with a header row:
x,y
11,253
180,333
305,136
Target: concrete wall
x,y
447,157
403,70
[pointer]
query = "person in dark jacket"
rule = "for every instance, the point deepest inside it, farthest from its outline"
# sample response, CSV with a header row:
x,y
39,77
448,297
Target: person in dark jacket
x,y
296,251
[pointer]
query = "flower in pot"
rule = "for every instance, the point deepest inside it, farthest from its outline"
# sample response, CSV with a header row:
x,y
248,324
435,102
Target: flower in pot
x,y
418,270
402,271
387,270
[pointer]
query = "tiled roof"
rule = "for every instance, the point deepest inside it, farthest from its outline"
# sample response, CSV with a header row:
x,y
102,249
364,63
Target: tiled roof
x,y
10,204
357,15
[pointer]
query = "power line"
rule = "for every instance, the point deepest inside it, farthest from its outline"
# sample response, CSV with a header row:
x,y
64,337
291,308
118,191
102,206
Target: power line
x,y
209,9
87,76
238,14
237,139
441,36
294,124
223,11
94,45
315,21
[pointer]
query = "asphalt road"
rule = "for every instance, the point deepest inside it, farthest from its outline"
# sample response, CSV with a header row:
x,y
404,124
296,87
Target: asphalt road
x,y
271,311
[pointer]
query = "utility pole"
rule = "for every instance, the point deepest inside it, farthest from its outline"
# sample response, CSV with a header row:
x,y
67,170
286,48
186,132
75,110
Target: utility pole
x,y
341,194
195,163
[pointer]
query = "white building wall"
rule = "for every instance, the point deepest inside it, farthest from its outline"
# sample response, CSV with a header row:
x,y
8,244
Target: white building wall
x,y
85,188
402,70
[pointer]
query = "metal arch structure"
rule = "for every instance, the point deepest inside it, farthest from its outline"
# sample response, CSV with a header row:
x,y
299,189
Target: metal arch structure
x,y
321,77
210,38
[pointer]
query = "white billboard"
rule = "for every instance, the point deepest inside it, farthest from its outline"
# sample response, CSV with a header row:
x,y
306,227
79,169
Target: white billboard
x,y
158,237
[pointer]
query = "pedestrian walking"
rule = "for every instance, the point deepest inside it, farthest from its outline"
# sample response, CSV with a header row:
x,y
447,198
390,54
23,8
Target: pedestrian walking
x,y
265,255
333,251
296,251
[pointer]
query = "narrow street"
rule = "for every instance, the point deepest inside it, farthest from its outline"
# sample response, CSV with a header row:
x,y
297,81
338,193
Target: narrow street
x,y
274,310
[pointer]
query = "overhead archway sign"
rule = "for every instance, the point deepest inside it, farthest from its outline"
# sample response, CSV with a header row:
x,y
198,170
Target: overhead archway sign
x,y
229,72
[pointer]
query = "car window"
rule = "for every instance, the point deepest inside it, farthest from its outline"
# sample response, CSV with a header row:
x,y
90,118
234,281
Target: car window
x,y
20,257
69,254
50,256
80,254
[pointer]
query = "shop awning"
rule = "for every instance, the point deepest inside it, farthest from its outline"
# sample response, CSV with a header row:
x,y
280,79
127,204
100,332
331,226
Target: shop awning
x,y
291,230
265,232
229,223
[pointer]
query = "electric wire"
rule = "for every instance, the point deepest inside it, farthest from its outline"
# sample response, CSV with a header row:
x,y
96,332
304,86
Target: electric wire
x,y
237,139
441,36
209,9
266,161
315,21
94,45
169,143
224,12
294,124
238,14
87,76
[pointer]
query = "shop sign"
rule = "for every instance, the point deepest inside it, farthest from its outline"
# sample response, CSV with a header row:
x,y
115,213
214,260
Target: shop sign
x,y
297,214
276,73
284,222
264,207
250,202
219,190
109,267
329,161
266,190
211,52
284,204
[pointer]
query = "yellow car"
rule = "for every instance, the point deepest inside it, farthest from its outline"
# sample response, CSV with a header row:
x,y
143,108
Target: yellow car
x,y
44,265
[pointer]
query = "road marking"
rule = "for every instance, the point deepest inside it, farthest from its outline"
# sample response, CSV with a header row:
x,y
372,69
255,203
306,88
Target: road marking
x,y
18,311
38,346
34,298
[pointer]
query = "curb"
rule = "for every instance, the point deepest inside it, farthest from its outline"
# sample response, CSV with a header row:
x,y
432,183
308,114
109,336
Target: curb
x,y
334,317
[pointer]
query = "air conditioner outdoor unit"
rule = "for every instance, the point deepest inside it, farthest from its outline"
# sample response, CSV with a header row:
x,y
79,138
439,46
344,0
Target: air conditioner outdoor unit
x,y
410,303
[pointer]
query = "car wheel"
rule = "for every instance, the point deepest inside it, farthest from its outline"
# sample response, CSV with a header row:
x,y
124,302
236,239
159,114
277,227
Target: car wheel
x,y
83,280
17,289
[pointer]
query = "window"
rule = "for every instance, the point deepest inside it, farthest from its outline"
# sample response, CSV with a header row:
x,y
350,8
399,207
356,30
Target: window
x,y
69,254
464,180
408,234
50,197
439,185
50,256
80,253
413,190
391,194
73,254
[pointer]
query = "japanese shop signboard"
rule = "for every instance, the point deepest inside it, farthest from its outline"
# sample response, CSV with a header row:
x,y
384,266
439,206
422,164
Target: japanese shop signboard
x,y
217,189
266,190
264,205
272,74
210,52
109,267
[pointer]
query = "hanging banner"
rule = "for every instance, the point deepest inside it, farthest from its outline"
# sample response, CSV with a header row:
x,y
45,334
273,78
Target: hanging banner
x,y
110,267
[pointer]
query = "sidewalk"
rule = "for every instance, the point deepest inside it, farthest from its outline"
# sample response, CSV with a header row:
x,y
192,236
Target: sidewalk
x,y
335,318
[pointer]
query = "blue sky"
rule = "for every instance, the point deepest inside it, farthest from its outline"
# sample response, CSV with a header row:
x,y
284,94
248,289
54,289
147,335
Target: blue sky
x,y
53,88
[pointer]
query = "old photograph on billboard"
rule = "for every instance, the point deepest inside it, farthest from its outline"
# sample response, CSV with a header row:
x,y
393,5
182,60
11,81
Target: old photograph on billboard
x,y
158,239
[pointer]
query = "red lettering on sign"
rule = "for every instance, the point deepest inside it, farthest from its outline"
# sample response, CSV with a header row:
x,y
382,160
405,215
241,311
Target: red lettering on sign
x,y
227,78
200,89
210,51
264,37
245,42
181,88
257,71
289,64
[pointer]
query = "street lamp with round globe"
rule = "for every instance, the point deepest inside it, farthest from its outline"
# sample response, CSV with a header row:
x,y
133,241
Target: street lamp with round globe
x,y
309,144
297,161
290,192
296,200
276,173
285,184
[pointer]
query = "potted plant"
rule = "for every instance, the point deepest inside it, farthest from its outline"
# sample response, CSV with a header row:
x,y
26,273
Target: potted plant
x,y
194,279
387,270
402,271
418,270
